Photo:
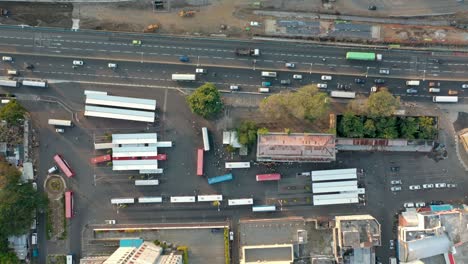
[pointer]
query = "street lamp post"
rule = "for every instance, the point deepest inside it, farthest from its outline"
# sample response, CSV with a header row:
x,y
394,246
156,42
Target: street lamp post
x,y
367,71
254,61
310,71
198,61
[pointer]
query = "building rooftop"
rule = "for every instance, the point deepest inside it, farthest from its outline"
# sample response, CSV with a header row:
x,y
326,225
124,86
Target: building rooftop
x,y
19,244
282,147
269,254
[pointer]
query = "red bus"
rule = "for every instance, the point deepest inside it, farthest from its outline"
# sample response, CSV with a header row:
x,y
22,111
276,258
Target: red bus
x,y
68,204
63,165
269,177
101,159
200,162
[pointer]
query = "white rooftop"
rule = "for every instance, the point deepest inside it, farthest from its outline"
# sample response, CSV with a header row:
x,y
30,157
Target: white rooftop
x,y
139,138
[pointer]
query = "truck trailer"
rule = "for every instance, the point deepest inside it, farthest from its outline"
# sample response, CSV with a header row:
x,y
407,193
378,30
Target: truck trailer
x,y
247,52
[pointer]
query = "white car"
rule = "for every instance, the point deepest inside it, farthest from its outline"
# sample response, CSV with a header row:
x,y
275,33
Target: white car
x,y
415,187
254,24
231,235
420,204
60,130
465,86
428,186
290,65
112,65
408,205
78,63
326,78
297,77
234,87
440,185
110,222
200,71
322,85
392,244
7,58
396,182
452,185
395,188
384,71
52,170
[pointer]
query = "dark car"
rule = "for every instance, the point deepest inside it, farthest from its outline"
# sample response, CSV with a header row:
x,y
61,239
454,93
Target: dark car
x,y
215,230
359,81
340,86
184,59
411,91
286,82
372,7
28,66
379,81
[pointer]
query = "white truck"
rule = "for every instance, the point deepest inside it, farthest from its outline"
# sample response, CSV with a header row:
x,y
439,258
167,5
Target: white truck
x,y
445,99
35,83
412,83
247,52
269,74
60,122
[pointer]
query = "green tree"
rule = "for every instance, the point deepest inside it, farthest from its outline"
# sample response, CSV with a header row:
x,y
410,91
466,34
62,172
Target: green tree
x,y
7,256
427,129
352,126
386,127
12,113
263,131
357,106
409,127
247,133
9,175
275,106
369,128
205,101
382,103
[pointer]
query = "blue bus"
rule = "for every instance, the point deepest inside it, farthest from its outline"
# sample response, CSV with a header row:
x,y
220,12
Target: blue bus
x,y
218,179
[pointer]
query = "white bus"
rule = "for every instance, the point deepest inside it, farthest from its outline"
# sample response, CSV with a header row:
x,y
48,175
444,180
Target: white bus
x,y
150,200
184,77
70,259
342,94
9,83
412,83
86,92
269,74
35,83
445,99
182,199
60,122
263,208
146,182
210,198
122,200
206,140
237,165
242,201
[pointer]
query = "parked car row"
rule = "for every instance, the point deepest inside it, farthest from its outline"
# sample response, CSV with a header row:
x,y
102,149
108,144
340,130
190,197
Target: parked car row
x,y
427,186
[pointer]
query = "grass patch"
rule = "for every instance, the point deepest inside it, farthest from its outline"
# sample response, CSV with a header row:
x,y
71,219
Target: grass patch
x,y
227,255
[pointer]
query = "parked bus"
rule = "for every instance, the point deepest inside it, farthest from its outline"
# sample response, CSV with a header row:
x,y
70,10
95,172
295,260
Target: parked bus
x,y
206,140
9,83
218,179
150,199
342,94
101,159
146,182
209,198
122,200
70,259
268,177
364,56
412,83
60,122
63,165
445,99
200,154
243,201
263,208
35,83
269,74
68,204
182,199
184,77
237,165
86,92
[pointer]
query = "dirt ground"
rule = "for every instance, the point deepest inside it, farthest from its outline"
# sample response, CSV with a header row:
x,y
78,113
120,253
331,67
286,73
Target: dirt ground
x,y
424,34
38,14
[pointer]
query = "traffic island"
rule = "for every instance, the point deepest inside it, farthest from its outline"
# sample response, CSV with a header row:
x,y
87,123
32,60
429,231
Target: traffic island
x,y
55,186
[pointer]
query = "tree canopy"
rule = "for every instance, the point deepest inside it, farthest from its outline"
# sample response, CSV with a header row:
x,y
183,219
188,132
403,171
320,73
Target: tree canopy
x,y
205,101
12,112
382,103
308,103
247,133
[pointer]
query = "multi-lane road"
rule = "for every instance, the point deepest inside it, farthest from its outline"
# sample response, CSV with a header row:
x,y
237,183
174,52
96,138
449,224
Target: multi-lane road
x,y
153,62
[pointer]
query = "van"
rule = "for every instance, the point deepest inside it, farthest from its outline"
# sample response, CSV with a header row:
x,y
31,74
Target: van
x,y
200,71
263,90
7,58
69,259
453,92
434,90
34,238
53,169
412,83
234,87
12,72
112,65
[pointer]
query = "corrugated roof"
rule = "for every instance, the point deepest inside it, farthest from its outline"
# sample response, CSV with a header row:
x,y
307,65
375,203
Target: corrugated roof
x,y
427,247
138,138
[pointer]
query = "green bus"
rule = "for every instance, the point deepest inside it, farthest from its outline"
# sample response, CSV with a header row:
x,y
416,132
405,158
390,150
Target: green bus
x,y
364,56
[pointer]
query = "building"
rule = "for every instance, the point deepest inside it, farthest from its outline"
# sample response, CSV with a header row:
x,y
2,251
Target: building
x,y
296,147
19,244
335,187
231,138
433,233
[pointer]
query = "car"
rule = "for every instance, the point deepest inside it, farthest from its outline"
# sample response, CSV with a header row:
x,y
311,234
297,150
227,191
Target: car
x,y
440,185
112,65
452,92
451,185
437,202
396,182
110,222
297,77
414,187
234,87
340,86
438,61
360,81
216,230
231,235
60,130
285,82
200,71
372,7
464,86
395,188
34,238
411,91
136,42
428,186
379,81
434,84
7,58
384,71
12,72
374,89
326,78
78,63
254,24
28,66
266,84
419,204
322,85
392,244
184,59
395,169
408,205
52,170
290,65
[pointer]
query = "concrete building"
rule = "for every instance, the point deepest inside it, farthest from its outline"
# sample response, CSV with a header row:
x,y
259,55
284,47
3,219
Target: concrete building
x,y
19,244
296,147
433,234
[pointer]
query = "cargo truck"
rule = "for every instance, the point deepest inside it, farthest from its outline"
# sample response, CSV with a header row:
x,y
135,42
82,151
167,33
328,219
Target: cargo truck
x,y
247,52
59,122
364,56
